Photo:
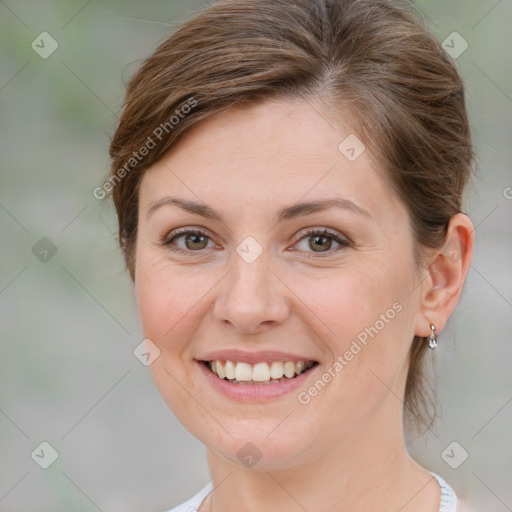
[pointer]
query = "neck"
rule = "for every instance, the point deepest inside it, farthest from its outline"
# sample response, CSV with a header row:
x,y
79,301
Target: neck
x,y
366,470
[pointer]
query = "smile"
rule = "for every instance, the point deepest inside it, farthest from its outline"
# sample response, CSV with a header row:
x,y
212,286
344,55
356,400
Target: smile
x,y
260,373
261,376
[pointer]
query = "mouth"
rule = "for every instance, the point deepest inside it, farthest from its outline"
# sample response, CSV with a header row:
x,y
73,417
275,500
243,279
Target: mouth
x,y
259,374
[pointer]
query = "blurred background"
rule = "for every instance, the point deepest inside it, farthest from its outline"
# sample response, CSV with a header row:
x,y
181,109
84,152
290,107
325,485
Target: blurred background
x,y
68,374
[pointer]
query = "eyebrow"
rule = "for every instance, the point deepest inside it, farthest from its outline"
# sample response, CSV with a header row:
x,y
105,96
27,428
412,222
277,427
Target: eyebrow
x,y
286,213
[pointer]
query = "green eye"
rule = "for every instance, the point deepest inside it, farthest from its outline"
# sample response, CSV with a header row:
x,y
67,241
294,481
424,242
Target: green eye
x,y
194,240
320,241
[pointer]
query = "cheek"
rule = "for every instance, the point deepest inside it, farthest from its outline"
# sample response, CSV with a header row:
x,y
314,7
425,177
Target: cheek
x,y
159,300
368,322
169,309
170,303
351,303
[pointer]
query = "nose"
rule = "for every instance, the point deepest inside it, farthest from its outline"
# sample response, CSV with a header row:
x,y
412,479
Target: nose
x,y
252,298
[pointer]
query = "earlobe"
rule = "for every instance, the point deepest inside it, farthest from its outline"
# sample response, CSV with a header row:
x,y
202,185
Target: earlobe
x,y
442,288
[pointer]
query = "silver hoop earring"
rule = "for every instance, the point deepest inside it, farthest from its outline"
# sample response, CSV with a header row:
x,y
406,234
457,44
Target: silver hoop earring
x,y
432,339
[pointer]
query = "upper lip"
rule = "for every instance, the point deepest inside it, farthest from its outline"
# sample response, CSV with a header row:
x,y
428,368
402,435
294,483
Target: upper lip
x,y
261,356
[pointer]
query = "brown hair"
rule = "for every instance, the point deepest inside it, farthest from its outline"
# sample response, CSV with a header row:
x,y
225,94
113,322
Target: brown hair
x,y
370,59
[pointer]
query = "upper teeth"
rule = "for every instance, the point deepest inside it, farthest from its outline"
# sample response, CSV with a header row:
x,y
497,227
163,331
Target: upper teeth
x,y
259,372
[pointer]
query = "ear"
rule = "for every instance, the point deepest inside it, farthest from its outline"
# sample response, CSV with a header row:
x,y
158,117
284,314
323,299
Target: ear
x,y
447,270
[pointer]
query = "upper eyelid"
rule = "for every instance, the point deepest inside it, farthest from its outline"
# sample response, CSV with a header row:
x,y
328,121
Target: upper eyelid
x,y
320,230
305,232
175,233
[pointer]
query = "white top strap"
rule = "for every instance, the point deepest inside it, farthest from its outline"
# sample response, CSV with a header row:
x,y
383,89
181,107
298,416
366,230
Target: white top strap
x,y
448,496
193,504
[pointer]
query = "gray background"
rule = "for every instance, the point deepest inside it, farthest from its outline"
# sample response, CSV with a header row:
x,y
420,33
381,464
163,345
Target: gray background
x,y
68,375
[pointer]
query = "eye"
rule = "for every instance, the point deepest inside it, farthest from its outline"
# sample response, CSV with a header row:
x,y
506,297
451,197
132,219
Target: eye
x,y
320,241
193,240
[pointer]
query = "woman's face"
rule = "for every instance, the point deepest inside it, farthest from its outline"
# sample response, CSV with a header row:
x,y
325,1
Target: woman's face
x,y
259,286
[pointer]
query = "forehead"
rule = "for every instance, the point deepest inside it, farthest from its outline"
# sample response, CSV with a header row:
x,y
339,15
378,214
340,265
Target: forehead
x,y
267,153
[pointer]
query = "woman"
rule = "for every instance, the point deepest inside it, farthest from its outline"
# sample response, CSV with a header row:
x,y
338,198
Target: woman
x,y
288,180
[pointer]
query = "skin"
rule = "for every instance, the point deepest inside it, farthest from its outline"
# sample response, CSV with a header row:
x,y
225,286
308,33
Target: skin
x,y
345,449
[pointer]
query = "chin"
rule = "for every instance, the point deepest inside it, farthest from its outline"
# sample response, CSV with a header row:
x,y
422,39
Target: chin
x,y
261,453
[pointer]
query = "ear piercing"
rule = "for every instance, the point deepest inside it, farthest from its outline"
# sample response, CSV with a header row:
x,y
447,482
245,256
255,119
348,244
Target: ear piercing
x,y
432,339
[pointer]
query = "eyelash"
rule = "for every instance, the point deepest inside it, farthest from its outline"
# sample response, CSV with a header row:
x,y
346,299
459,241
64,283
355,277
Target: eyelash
x,y
167,241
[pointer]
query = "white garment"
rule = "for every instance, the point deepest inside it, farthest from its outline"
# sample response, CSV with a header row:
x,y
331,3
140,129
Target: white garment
x,y
448,498
193,504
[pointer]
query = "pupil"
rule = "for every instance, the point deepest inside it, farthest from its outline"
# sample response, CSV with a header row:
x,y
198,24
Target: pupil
x,y
194,238
323,240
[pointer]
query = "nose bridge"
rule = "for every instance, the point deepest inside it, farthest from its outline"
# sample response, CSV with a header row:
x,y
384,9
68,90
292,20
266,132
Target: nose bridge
x,y
251,294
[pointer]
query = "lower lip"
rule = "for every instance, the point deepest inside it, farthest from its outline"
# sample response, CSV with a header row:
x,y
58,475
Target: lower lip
x,y
254,393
